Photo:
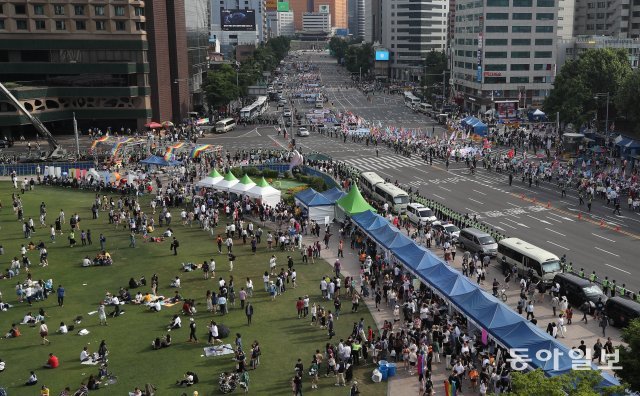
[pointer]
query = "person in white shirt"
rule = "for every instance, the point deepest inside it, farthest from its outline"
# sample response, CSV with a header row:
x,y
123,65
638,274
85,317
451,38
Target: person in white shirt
x,y
63,328
176,322
84,355
176,282
156,306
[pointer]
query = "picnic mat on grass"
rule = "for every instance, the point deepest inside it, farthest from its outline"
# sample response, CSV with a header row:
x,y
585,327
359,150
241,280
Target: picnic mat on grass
x,y
218,350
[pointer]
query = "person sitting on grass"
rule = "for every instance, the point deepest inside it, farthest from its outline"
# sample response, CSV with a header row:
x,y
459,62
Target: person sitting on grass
x,y
166,342
157,343
93,383
156,306
176,282
13,332
189,379
86,262
52,362
176,297
175,323
33,379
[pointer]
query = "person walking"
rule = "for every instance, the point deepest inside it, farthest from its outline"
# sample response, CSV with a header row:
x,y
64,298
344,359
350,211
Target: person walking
x,y
102,315
60,293
44,332
192,331
174,246
248,310
604,322
132,239
529,310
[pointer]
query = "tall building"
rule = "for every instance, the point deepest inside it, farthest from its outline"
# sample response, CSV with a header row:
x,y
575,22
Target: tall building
x,y
63,57
352,18
251,30
280,23
574,47
337,9
504,53
566,18
410,29
375,21
316,22
299,7
616,18
198,17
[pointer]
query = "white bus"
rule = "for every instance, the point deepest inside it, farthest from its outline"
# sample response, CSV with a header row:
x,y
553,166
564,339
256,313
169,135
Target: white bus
x,y
515,251
226,125
368,180
254,109
397,198
425,108
411,100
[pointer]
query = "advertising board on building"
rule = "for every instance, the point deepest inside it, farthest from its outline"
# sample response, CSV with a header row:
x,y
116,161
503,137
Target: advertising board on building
x,y
382,55
323,8
283,6
238,20
271,5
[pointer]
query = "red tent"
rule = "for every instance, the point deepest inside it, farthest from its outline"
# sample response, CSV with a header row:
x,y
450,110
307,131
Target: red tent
x,y
153,125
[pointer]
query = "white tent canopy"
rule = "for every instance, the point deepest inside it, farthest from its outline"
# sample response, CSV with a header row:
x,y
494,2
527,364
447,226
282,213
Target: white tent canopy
x,y
226,183
210,180
244,185
264,192
538,112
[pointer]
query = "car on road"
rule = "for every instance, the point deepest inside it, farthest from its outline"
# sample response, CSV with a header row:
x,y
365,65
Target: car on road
x,y
287,113
287,122
302,131
418,213
448,229
282,102
578,290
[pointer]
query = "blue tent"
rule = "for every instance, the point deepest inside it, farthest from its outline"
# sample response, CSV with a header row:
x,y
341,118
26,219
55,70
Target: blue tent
x,y
311,197
334,194
159,161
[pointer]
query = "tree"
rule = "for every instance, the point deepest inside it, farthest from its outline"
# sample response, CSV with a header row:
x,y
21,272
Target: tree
x,y
338,47
358,58
575,87
626,100
220,86
630,355
574,383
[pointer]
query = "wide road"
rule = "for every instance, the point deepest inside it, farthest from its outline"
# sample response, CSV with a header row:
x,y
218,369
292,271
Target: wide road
x,y
597,241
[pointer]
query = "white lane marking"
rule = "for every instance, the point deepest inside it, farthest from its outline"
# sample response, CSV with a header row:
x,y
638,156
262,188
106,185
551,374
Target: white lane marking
x,y
514,205
555,232
560,246
619,269
472,211
495,226
445,189
507,225
540,220
479,192
551,218
435,195
562,217
471,199
515,222
600,236
602,250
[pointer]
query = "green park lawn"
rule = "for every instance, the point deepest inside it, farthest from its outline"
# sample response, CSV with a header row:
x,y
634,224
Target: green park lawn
x,y
283,337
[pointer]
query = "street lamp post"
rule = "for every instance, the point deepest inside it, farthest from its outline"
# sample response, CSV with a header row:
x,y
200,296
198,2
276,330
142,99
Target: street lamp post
x,y
606,122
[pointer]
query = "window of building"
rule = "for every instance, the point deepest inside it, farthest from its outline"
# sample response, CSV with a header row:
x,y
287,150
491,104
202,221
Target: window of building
x,y
78,10
600,15
21,24
38,9
101,25
58,9
119,10
547,41
20,9
491,42
546,3
99,10
497,3
519,80
591,16
469,54
520,29
495,54
496,67
545,16
41,24
121,26
520,54
599,26
2,9
140,26
602,4
539,79
81,25
495,80
520,41
522,3
590,27
544,29
60,25
494,16
139,11
543,54
521,16
520,67
496,29
1,22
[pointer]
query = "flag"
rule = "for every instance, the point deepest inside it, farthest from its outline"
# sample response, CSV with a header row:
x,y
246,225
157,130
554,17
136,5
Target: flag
x,y
168,154
99,140
197,150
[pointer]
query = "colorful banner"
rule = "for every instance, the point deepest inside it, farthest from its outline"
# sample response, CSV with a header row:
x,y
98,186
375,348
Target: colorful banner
x,y
99,140
197,150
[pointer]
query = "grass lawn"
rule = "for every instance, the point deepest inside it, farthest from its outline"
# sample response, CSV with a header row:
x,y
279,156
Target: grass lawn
x,y
282,336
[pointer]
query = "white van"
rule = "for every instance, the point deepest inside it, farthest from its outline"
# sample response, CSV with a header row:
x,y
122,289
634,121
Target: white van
x,y
418,213
425,108
397,198
319,104
368,180
545,265
226,125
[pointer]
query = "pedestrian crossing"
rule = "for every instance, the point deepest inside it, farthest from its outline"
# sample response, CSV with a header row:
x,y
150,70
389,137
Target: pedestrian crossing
x,y
384,162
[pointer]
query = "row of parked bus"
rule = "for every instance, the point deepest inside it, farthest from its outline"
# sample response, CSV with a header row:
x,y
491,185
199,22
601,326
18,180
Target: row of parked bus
x,y
511,253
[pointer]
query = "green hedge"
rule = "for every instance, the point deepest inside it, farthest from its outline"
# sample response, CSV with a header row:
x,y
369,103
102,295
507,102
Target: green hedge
x,y
317,183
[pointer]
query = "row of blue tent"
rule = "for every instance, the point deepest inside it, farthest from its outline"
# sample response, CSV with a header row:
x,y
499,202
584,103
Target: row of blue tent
x,y
478,127
503,324
311,197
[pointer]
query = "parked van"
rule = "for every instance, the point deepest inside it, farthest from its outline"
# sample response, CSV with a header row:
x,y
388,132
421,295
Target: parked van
x,y
475,240
578,290
425,108
368,180
319,104
621,311
418,213
525,256
397,198
226,125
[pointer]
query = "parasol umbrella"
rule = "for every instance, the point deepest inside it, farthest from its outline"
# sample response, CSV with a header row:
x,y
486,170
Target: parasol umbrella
x,y
167,124
153,125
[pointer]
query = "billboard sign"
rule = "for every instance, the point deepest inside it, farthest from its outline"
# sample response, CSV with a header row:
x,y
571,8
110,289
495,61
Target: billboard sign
x,y
271,5
283,6
342,32
323,8
238,20
382,55
479,72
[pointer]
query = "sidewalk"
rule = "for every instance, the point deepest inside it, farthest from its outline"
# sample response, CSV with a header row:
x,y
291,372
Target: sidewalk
x,y
405,384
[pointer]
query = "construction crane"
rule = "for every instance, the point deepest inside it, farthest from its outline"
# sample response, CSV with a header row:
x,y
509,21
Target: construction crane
x,y
57,151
